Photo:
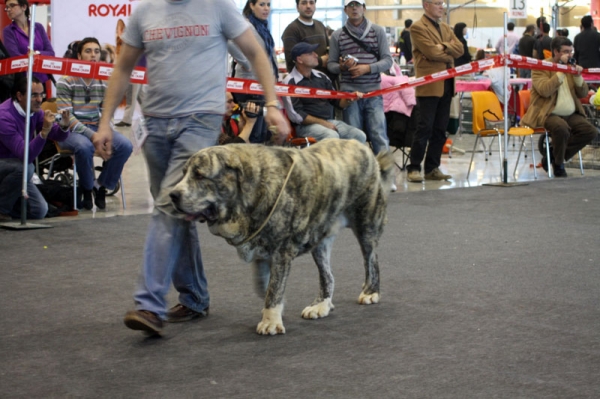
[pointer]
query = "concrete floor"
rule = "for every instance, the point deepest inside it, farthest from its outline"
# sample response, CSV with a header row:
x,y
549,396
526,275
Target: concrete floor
x,y
139,201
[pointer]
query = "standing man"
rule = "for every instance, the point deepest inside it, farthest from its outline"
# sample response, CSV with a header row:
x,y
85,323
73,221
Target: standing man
x,y
511,38
313,117
367,44
309,30
183,110
587,44
85,96
555,105
542,46
434,49
526,44
404,43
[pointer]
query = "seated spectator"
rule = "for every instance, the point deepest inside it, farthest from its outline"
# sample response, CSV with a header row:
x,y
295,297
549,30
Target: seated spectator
x,y
237,125
399,108
12,146
555,105
313,117
85,97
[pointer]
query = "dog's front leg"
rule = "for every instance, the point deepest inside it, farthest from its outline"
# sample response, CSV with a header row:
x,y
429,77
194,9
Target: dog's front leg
x,y
272,322
322,305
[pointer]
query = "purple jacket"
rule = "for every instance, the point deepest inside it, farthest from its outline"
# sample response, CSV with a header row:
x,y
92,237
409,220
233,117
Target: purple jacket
x,y
17,43
12,126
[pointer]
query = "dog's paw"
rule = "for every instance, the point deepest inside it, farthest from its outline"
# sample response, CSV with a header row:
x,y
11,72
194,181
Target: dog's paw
x,y
368,299
271,322
318,310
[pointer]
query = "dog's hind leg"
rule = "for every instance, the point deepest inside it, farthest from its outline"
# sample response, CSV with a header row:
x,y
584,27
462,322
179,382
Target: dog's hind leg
x,y
368,238
272,322
322,305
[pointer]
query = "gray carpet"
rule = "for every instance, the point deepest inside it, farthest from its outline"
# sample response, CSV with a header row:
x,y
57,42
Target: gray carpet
x,y
486,292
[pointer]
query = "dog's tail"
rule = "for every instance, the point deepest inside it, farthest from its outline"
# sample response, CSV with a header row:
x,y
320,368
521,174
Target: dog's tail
x,y
385,159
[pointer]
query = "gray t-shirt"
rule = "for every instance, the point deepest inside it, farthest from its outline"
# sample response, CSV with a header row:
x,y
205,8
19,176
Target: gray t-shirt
x,y
185,43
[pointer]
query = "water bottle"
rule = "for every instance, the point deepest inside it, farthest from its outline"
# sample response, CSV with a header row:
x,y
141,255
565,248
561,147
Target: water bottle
x,y
402,60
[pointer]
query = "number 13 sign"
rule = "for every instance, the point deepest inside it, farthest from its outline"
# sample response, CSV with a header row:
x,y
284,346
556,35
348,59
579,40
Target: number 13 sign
x,y
518,9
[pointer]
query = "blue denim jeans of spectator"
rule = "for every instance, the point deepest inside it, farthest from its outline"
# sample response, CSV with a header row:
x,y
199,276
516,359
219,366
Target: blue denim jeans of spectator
x,y
367,115
430,136
172,249
11,184
320,132
83,148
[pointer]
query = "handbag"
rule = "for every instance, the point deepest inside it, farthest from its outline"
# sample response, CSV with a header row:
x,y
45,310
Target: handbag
x,y
492,121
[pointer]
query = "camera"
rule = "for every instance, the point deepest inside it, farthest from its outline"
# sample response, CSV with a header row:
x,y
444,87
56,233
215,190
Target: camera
x,y
572,61
57,118
349,57
259,110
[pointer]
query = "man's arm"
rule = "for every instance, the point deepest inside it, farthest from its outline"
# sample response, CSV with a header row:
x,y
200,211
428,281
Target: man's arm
x,y
430,49
262,69
546,83
64,99
117,85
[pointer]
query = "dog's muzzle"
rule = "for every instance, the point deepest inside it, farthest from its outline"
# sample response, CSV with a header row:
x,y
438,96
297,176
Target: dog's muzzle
x,y
209,214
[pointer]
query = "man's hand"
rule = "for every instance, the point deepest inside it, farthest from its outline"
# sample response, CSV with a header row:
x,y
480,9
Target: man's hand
x,y
329,125
346,65
359,70
439,47
48,120
102,140
278,125
66,115
579,69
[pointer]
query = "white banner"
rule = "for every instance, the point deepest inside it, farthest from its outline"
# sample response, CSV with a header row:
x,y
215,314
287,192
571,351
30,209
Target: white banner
x,y
517,9
76,19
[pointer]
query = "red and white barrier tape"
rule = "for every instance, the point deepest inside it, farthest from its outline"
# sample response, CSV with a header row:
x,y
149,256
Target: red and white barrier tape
x,y
102,71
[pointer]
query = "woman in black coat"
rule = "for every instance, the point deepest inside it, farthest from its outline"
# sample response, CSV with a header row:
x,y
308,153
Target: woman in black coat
x,y
459,31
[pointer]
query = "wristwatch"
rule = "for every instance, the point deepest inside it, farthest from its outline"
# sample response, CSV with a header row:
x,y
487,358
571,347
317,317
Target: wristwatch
x,y
274,104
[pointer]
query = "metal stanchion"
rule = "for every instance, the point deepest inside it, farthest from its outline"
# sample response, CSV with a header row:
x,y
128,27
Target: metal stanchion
x,y
504,182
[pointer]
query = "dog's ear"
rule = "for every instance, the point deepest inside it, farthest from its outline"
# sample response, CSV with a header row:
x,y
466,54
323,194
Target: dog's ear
x,y
232,161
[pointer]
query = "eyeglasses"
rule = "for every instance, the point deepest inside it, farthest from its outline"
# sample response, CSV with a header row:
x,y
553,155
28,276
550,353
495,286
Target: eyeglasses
x,y
437,3
10,6
38,95
87,97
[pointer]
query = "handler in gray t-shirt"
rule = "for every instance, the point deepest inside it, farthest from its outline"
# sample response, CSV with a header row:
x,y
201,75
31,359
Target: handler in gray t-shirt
x,y
185,43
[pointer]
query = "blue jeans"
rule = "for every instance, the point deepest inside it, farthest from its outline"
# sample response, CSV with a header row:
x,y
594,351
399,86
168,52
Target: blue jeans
x,y
367,115
11,182
320,132
84,150
172,249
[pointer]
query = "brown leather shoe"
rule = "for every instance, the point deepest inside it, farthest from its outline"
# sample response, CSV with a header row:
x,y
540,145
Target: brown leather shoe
x,y
179,313
143,320
437,174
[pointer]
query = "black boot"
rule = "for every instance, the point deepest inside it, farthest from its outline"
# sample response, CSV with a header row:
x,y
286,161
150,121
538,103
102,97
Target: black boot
x,y
559,170
86,202
100,197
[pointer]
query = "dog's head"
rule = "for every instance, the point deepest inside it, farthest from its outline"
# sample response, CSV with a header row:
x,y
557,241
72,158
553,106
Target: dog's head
x,y
210,185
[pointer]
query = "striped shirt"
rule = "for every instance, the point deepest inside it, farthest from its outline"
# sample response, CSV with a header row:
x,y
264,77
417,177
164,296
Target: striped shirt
x,y
85,100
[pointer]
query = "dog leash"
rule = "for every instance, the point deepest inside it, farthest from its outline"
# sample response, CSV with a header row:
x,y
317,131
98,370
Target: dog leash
x,y
274,206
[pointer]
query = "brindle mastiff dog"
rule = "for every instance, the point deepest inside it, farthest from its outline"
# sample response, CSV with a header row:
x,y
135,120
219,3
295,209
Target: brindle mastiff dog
x,y
274,204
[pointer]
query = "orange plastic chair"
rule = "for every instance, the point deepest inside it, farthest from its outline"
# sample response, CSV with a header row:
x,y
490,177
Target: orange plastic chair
x,y
484,101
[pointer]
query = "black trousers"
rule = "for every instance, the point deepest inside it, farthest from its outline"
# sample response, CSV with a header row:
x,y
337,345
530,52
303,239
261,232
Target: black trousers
x,y
430,136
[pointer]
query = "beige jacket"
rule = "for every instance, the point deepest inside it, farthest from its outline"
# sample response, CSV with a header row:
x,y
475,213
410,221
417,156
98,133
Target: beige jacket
x,y
544,93
427,58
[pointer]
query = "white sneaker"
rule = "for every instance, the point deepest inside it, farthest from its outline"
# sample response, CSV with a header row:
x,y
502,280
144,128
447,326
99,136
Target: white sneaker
x,y
393,188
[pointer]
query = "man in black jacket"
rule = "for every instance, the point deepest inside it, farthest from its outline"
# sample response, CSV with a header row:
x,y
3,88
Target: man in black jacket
x,y
587,45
